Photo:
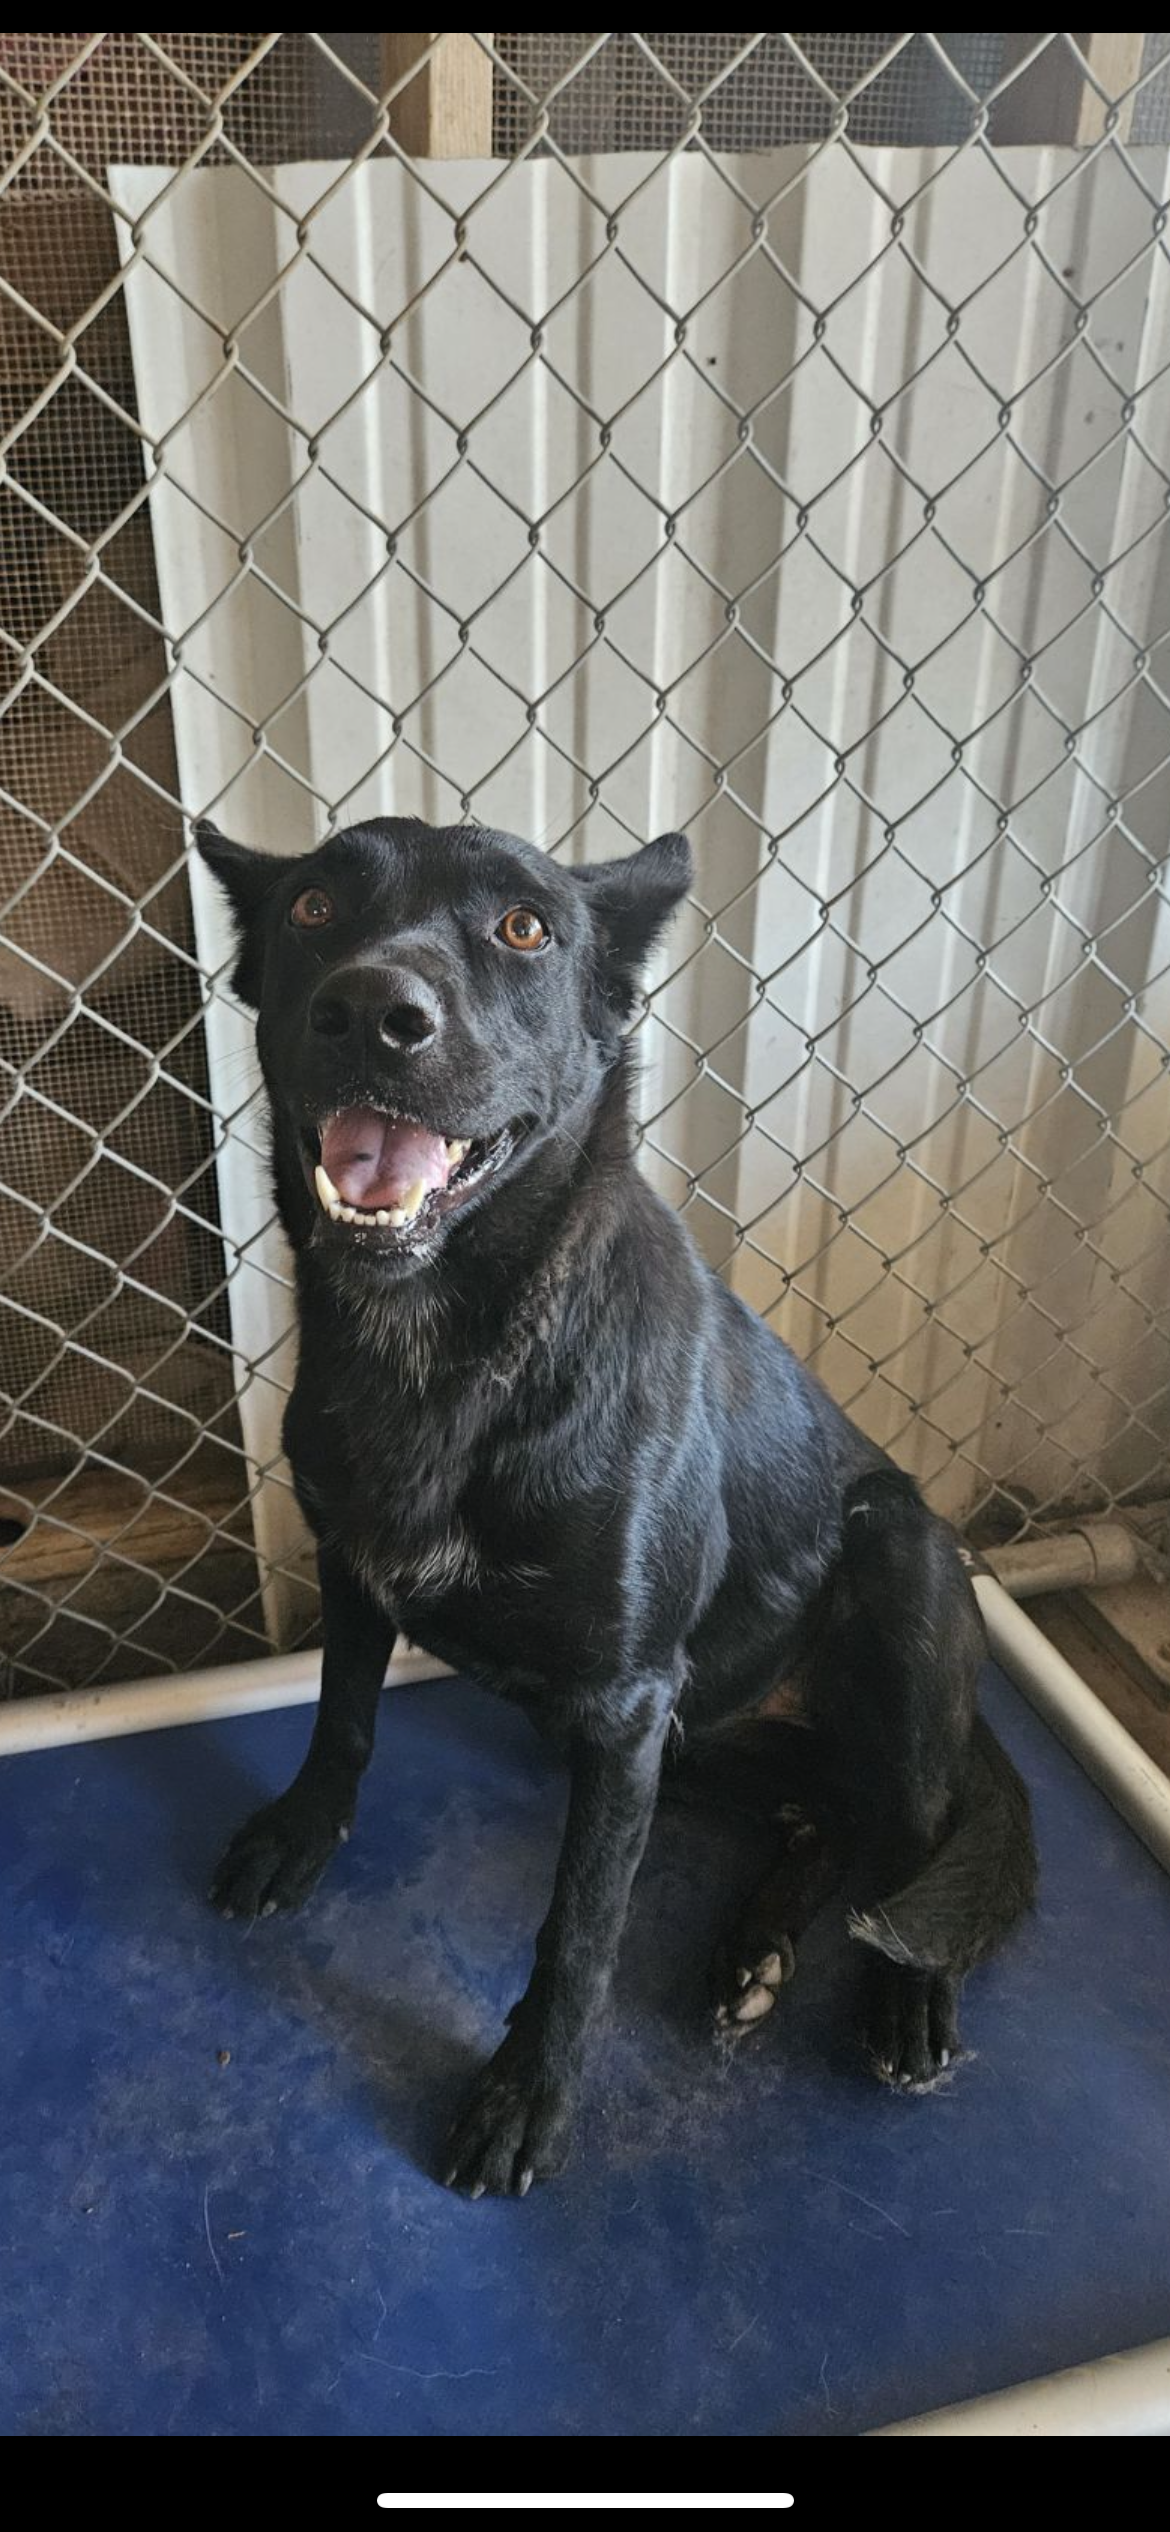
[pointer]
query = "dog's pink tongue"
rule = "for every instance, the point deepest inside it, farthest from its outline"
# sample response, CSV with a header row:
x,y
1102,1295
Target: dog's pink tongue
x,y
375,1161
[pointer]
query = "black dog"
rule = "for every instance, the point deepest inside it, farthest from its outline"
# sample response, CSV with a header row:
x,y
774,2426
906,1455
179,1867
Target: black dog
x,y
533,1431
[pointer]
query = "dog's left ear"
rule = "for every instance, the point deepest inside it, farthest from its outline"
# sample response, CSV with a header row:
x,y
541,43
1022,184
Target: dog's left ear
x,y
246,878
630,901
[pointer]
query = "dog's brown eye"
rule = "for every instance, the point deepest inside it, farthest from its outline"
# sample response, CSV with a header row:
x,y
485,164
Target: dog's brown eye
x,y
522,929
311,909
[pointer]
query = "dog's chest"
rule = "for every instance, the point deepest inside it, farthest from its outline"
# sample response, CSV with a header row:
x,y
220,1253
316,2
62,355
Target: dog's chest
x,y
400,1480
400,1560
464,1507
406,1522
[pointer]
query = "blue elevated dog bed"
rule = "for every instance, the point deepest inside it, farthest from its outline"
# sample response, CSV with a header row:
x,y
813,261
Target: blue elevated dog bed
x,y
218,2214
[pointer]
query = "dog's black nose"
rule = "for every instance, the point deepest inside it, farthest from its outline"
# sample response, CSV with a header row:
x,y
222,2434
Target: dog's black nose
x,y
408,1013
393,1003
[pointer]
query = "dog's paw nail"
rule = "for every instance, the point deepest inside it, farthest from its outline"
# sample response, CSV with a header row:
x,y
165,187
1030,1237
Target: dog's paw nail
x,y
525,2181
754,2005
743,1978
770,1970
269,1908
479,2190
227,1913
944,2057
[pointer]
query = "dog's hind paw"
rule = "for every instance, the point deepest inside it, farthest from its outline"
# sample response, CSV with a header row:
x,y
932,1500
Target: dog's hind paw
x,y
757,1954
513,2128
909,2028
746,1990
276,1859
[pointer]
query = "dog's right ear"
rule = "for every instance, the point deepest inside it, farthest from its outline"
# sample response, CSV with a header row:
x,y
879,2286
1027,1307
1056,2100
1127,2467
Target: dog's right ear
x,y
246,879
631,901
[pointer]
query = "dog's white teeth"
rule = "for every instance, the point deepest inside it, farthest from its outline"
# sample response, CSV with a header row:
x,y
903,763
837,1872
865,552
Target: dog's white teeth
x,y
339,1212
394,1219
457,1152
413,1199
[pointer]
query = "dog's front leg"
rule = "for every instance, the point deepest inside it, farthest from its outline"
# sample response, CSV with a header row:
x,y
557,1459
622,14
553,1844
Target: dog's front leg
x,y
515,2125
278,1856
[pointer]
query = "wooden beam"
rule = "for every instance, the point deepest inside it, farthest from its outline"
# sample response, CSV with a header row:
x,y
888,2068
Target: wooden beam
x,y
95,1509
1052,101
1115,62
446,111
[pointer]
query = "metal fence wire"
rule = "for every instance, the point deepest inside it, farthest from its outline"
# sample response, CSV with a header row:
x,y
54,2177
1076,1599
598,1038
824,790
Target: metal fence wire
x,y
766,434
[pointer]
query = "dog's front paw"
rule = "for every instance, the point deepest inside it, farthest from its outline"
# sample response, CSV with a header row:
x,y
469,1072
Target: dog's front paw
x,y
276,1859
514,2127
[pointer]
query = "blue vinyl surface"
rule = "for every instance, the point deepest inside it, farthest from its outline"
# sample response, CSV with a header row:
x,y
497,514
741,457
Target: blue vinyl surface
x,y
766,2244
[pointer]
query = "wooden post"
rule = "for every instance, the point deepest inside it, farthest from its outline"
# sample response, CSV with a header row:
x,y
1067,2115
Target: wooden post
x,y
446,112
1115,62
1052,100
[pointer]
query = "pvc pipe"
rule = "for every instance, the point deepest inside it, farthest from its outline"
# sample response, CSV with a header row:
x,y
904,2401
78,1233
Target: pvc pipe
x,y
1116,2395
198,1696
1067,1560
1108,1753
1132,1781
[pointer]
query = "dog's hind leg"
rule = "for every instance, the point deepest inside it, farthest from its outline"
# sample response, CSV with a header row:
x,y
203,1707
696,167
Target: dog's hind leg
x,y
922,1940
757,1954
945,1857
279,1855
769,1771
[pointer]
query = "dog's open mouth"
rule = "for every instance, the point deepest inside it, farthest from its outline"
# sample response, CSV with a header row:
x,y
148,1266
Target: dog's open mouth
x,y
376,1171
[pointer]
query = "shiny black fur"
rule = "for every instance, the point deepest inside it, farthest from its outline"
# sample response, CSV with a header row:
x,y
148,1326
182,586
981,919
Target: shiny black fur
x,y
547,1444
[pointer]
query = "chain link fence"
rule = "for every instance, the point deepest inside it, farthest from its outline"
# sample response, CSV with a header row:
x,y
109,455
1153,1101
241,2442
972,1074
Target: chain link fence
x,y
765,434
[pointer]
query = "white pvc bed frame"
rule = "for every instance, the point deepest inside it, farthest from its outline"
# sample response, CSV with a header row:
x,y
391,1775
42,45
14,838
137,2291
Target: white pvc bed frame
x,y
1127,2394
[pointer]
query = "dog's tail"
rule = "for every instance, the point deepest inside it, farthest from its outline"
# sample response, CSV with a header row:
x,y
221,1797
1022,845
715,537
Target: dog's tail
x,y
978,1883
